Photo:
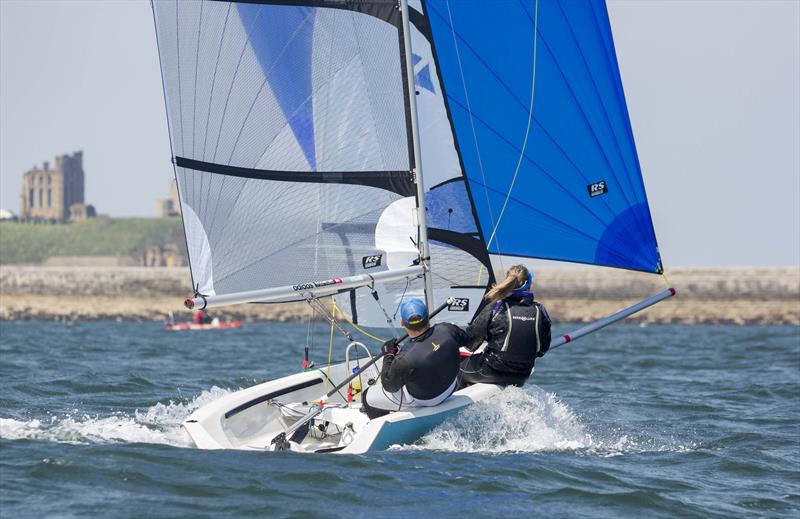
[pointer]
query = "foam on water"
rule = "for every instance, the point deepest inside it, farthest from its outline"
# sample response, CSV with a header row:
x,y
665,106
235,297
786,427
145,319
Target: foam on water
x,y
159,424
515,420
531,420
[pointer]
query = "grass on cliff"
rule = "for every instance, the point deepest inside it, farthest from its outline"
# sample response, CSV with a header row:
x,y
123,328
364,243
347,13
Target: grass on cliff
x,y
33,243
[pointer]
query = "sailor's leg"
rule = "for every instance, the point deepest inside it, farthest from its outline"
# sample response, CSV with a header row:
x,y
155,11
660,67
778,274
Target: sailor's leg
x,y
435,400
475,370
378,402
470,370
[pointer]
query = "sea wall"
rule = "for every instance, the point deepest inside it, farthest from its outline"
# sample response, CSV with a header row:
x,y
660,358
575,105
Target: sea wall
x,y
705,295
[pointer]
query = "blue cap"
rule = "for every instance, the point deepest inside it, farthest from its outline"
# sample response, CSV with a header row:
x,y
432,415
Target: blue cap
x,y
413,311
527,283
524,290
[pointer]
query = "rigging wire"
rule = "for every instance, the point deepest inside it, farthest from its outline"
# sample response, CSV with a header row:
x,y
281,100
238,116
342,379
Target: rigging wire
x,y
364,332
402,297
309,340
330,347
389,320
332,319
666,279
330,316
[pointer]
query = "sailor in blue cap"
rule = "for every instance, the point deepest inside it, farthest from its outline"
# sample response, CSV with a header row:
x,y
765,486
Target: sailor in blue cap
x,y
424,372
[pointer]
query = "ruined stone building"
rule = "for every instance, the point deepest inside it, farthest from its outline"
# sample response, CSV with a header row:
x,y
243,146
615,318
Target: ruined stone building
x,y
169,207
55,194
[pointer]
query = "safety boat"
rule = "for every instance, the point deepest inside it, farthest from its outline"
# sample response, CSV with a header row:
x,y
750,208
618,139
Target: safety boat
x,y
215,324
201,322
351,154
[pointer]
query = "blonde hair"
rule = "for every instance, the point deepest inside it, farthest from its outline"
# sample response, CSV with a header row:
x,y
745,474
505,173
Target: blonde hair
x,y
516,277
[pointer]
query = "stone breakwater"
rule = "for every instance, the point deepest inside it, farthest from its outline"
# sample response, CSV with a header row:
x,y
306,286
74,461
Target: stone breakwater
x,y
705,295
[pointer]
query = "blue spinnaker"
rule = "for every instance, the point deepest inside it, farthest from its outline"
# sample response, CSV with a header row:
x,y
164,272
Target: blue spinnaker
x,y
577,190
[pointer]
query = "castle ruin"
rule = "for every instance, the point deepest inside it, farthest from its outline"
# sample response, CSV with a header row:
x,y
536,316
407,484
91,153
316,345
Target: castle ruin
x,y
169,207
55,195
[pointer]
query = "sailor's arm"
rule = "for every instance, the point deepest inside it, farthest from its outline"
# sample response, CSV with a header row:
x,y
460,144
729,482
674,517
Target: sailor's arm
x,y
459,335
394,373
475,333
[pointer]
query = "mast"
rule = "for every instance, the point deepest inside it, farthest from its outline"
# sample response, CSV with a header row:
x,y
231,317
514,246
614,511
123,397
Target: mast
x,y
424,249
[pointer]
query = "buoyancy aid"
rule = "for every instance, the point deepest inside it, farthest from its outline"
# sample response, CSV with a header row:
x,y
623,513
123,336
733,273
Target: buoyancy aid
x,y
517,330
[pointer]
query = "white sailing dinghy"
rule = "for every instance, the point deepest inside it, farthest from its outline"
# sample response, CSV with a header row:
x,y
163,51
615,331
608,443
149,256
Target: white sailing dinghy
x,y
376,150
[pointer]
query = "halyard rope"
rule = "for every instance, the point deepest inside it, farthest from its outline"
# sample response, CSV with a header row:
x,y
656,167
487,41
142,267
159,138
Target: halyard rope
x,y
527,129
524,141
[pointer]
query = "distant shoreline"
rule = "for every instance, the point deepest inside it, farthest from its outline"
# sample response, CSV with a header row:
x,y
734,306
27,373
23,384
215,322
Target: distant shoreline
x,y
705,295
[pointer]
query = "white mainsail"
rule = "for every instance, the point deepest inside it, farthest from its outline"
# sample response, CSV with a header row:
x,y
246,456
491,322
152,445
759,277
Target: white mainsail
x,y
290,129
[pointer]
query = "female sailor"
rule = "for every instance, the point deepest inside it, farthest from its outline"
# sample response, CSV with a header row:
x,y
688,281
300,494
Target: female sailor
x,y
516,330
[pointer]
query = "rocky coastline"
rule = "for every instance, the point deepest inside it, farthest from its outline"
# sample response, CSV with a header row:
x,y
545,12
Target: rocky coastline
x,y
705,295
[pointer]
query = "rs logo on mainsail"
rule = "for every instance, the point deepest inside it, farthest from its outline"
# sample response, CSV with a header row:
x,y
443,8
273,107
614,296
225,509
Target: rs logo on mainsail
x,y
459,304
371,261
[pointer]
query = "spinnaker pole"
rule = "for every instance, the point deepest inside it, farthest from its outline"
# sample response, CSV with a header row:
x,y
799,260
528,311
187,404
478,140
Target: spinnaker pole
x,y
424,248
605,321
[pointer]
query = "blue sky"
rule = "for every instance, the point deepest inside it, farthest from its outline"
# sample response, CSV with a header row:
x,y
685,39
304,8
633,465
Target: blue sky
x,y
713,90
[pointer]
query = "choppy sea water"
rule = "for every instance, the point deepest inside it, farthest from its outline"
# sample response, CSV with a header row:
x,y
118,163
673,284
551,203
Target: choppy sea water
x,y
657,421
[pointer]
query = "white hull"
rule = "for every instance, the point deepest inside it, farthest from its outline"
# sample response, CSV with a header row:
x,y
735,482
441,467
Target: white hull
x,y
249,419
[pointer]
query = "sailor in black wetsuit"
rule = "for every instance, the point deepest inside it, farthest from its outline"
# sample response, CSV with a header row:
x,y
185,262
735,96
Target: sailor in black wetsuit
x,y
516,329
424,372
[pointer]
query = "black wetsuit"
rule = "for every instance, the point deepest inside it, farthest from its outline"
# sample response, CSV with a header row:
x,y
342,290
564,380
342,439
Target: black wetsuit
x,y
427,365
517,330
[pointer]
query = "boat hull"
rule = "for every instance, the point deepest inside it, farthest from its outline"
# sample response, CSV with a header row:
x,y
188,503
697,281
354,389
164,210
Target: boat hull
x,y
183,327
249,419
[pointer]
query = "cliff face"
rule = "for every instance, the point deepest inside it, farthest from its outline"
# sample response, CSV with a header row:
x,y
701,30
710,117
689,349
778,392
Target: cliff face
x,y
705,295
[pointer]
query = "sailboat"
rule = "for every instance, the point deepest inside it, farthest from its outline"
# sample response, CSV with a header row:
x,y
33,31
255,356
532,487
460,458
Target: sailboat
x,y
364,152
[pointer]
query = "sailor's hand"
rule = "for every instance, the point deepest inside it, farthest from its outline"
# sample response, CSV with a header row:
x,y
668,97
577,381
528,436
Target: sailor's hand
x,y
390,347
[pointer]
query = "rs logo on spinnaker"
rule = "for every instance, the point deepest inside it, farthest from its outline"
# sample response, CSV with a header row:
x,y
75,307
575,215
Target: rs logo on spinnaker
x,y
459,304
597,189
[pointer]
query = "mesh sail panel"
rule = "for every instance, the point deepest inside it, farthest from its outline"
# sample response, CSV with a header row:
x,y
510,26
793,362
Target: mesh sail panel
x,y
263,233
460,266
287,88
578,193
289,129
455,273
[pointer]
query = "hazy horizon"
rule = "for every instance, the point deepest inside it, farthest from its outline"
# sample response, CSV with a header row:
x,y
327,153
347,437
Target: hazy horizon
x,y
713,89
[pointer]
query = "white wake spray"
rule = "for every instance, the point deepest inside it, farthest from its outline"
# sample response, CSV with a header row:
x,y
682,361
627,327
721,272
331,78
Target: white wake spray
x,y
159,424
515,420
532,420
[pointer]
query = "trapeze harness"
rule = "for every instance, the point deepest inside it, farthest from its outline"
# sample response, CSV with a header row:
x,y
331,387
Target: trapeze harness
x,y
422,374
517,330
